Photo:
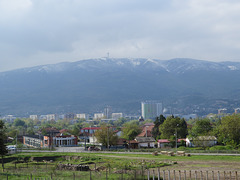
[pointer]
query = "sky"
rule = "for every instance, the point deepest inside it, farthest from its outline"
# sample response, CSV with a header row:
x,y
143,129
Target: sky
x,y
37,32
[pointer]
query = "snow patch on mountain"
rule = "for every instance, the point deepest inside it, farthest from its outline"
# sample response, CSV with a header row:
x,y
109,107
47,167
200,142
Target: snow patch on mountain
x,y
233,68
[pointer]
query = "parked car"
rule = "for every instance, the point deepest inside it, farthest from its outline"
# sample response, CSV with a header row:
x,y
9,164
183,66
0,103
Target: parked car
x,y
93,148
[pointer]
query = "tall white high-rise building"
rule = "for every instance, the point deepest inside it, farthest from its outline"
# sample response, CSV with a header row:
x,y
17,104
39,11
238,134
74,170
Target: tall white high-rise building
x,y
108,112
151,109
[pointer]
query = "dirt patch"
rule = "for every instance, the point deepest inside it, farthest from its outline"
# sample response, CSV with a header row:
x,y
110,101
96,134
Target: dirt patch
x,y
193,165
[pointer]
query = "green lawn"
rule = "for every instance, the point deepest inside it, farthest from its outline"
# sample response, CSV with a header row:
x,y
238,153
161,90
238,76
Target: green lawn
x,y
108,164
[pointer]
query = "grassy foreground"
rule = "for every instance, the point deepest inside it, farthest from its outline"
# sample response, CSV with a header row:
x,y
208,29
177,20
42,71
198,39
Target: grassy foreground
x,y
103,166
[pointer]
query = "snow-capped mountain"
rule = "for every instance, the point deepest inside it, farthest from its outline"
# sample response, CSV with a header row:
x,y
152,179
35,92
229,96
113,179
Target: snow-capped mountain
x,y
89,85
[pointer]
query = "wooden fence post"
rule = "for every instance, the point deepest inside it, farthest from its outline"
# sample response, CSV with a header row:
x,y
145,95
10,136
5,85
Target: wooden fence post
x,y
236,175
185,176
163,174
153,175
179,174
206,175
190,174
218,175
195,174
212,175
148,174
201,175
106,173
73,176
224,175
174,175
168,174
230,175
90,176
158,174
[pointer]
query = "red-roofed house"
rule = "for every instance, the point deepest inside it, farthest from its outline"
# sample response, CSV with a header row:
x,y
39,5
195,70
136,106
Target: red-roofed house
x,y
147,130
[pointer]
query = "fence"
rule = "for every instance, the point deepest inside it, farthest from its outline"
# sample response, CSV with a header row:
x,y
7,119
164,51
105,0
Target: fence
x,y
48,172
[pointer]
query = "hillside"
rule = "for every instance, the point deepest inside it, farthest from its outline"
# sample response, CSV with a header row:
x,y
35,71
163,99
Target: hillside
x,y
89,85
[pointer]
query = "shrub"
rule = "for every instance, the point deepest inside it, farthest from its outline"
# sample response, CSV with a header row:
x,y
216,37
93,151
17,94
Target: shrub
x,y
219,148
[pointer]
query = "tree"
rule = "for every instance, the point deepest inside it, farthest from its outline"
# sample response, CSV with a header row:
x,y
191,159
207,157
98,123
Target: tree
x,y
159,120
229,130
130,130
18,122
3,148
202,127
76,129
173,125
106,135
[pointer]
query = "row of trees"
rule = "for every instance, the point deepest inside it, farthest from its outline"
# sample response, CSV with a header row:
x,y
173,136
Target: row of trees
x,y
226,129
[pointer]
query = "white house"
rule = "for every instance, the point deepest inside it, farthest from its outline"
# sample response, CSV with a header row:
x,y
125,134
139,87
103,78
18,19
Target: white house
x,y
145,142
205,141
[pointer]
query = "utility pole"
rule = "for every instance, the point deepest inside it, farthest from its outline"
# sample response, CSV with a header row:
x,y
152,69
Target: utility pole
x,y
107,137
176,138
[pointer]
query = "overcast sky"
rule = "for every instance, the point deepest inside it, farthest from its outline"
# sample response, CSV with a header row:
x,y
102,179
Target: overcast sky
x,y
35,32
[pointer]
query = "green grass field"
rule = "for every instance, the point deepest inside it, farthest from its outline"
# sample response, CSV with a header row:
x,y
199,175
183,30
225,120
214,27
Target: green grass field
x,y
108,165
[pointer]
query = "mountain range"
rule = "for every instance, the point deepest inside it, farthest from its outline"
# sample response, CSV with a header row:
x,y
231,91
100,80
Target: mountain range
x,y
86,86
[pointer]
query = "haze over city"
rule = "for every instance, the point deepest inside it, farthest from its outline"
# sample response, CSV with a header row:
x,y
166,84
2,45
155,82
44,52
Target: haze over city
x,y
47,32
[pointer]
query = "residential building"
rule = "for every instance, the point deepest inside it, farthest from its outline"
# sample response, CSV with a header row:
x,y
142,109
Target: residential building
x,y
87,134
151,109
117,115
222,111
33,141
60,141
163,143
82,116
147,130
98,116
202,141
108,120
9,118
69,116
51,117
33,117
145,142
237,110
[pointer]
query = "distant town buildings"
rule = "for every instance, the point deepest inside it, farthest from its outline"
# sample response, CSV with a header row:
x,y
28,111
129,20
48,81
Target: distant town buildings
x,y
117,115
98,116
222,111
237,110
82,116
69,116
151,109
51,117
33,117
108,112
9,118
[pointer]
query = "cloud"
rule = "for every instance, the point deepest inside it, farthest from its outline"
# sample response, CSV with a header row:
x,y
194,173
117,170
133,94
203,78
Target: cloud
x,y
37,32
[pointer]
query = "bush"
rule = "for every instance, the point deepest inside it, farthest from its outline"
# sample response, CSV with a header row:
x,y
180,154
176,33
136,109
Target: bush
x,y
219,148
